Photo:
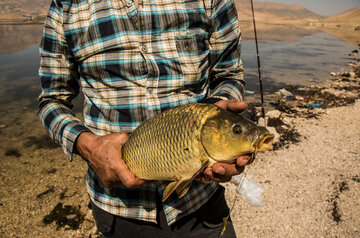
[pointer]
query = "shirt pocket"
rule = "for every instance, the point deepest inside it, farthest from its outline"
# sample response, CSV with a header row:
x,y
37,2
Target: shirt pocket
x,y
193,54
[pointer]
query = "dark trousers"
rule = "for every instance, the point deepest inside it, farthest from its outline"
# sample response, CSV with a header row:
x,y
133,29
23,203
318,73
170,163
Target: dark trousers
x,y
206,222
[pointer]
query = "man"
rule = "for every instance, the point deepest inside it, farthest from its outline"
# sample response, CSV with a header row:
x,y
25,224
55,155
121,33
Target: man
x,y
133,60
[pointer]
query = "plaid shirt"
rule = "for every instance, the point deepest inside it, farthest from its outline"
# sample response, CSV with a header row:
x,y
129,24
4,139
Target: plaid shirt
x,y
132,63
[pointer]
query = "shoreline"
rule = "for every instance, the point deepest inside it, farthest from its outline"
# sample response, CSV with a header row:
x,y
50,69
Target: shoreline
x,y
22,20
343,89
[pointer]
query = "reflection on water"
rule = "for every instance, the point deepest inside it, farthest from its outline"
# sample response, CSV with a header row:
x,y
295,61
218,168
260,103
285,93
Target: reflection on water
x,y
274,32
303,62
18,78
18,37
300,56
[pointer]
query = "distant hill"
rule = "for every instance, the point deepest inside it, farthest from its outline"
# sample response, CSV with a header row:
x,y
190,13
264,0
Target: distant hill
x,y
35,10
351,16
271,11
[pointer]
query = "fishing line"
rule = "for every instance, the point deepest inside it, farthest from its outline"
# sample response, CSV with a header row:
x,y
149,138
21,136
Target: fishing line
x,y
226,219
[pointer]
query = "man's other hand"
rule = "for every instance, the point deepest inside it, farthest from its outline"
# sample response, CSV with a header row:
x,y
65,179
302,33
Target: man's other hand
x,y
104,155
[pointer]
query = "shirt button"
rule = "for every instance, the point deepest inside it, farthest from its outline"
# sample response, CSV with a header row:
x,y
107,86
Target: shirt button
x,y
149,90
144,48
129,3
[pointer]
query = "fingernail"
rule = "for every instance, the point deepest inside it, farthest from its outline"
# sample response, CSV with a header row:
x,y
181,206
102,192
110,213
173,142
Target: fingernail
x,y
220,170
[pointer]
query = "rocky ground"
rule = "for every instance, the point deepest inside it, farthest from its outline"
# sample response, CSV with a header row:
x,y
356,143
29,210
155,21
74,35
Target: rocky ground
x,y
311,179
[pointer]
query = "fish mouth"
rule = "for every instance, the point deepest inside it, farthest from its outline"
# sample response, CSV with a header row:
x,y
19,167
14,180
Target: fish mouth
x,y
265,142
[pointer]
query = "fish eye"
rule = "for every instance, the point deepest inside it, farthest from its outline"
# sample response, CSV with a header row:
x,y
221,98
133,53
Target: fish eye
x,y
237,129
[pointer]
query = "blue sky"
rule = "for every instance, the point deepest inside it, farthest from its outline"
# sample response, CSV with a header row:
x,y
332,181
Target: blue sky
x,y
323,7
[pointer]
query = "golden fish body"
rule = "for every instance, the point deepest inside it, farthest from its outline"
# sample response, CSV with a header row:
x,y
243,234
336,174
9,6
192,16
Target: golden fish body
x,y
178,143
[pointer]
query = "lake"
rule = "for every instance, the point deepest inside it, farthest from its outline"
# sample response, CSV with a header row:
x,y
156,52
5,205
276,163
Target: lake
x,y
289,56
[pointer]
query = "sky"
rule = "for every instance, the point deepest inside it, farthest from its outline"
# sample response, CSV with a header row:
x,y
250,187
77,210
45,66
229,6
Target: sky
x,y
323,7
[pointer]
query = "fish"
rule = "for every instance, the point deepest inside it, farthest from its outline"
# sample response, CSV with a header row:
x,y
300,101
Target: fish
x,y
182,141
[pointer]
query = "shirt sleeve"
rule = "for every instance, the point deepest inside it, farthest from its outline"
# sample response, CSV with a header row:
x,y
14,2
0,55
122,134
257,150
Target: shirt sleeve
x,y
59,79
226,69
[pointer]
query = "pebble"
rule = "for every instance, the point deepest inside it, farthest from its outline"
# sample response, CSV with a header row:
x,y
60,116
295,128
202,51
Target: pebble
x,y
2,126
273,114
275,133
286,94
285,127
71,216
263,121
299,98
352,75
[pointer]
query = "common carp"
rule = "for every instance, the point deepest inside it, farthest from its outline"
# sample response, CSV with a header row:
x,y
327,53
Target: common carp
x,y
179,143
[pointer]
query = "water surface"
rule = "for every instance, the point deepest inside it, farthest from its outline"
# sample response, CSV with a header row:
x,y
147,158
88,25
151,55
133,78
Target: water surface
x,y
308,60
292,61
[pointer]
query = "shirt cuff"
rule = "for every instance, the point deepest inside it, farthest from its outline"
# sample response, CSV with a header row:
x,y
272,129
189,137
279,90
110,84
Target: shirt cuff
x,y
70,135
226,91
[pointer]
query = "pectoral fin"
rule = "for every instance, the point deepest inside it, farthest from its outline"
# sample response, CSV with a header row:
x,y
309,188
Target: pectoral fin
x,y
183,188
171,188
180,186
203,166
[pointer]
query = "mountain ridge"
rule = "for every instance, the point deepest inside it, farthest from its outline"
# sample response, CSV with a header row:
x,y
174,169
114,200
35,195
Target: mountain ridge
x,y
351,15
30,11
273,11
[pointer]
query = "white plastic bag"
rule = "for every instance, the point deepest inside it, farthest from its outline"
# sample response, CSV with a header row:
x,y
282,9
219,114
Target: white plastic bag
x,y
250,191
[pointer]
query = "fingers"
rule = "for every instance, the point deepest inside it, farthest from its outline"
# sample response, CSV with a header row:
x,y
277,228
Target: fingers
x,y
106,160
127,178
223,172
237,106
119,138
244,160
220,172
120,176
232,105
203,178
130,181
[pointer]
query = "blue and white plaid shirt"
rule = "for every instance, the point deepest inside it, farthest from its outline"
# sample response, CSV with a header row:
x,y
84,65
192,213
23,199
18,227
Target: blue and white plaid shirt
x,y
132,63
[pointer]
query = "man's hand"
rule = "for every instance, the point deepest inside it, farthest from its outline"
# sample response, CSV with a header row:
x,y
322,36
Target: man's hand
x,y
220,171
104,155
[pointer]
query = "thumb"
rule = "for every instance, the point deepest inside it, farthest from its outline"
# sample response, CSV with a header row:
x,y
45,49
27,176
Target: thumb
x,y
232,105
236,106
119,137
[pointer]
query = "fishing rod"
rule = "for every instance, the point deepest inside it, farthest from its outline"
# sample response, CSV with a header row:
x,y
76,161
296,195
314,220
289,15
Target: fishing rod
x,y
258,62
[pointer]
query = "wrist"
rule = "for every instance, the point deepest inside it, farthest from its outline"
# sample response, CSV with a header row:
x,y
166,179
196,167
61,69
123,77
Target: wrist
x,y
84,143
212,100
